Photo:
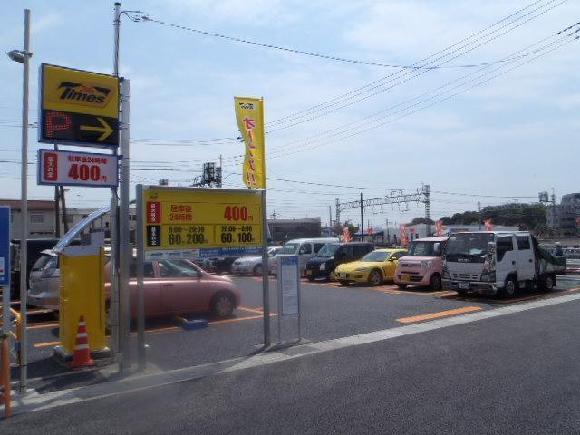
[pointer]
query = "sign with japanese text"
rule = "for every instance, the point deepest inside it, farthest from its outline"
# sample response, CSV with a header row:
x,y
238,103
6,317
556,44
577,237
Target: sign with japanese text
x,y
78,107
187,219
71,168
250,118
5,247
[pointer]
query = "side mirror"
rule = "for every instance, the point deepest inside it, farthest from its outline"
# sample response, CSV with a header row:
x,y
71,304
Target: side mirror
x,y
391,259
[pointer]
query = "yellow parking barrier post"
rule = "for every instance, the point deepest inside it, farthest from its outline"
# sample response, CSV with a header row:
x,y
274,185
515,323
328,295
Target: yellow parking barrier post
x,y
82,293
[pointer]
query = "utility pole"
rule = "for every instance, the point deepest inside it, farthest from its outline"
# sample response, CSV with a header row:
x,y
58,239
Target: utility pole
x,y
553,198
330,216
337,211
362,220
64,219
427,194
23,57
479,214
387,230
56,212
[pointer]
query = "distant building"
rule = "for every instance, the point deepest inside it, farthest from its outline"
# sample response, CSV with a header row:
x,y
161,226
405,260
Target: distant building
x,y
40,218
566,216
282,230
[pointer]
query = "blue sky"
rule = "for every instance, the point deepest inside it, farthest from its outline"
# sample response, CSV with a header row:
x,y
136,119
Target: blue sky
x,y
513,136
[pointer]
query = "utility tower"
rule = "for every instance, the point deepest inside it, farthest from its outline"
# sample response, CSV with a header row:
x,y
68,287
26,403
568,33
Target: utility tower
x,y
394,197
210,177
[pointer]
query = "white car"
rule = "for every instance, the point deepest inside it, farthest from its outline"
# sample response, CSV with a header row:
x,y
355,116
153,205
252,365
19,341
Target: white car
x,y
253,264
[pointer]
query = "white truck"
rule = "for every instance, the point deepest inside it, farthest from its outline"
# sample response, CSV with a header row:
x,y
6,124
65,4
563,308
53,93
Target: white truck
x,y
498,262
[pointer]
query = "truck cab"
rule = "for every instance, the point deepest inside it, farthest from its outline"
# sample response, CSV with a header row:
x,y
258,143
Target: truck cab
x,y
423,264
496,262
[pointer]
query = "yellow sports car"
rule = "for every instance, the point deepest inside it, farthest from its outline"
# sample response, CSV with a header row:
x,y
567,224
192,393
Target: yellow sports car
x,y
374,268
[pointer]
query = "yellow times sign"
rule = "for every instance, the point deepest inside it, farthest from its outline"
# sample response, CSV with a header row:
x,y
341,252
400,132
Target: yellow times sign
x,y
78,107
185,218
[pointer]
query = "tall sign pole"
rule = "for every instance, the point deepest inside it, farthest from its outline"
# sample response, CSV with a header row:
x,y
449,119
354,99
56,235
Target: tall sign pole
x,y
125,250
24,204
115,311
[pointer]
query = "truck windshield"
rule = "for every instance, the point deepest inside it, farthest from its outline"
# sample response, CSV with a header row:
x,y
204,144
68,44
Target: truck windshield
x,y
290,249
328,250
468,246
425,249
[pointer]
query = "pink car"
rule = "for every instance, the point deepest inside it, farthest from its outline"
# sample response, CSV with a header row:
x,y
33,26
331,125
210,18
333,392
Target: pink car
x,y
423,265
180,287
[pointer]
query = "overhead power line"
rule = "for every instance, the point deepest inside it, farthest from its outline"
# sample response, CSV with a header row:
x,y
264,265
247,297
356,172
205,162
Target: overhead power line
x,y
430,98
148,19
395,79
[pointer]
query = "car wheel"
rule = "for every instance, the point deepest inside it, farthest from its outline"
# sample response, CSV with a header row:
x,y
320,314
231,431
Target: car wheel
x,y
435,282
222,305
510,288
311,278
402,286
345,283
461,292
376,277
258,270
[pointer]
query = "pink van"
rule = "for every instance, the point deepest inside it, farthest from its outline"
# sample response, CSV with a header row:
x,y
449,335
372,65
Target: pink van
x,y
423,264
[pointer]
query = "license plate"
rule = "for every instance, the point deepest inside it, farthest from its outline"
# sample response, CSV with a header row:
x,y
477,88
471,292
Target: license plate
x,y
405,277
464,285
308,272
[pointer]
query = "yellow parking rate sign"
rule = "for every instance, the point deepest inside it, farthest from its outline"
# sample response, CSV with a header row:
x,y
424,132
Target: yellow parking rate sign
x,y
178,219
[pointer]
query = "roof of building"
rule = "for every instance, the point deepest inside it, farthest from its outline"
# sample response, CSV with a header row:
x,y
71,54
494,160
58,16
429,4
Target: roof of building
x,y
33,204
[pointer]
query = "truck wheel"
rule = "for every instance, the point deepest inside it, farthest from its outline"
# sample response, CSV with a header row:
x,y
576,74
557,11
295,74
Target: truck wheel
x,y
510,289
461,292
548,283
435,282
311,279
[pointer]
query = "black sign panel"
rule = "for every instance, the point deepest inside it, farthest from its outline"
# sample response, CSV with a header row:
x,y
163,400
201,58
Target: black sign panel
x,y
63,127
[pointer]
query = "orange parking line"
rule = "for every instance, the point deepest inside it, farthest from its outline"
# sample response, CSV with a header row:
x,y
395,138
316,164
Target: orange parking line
x,y
43,325
48,344
251,310
431,316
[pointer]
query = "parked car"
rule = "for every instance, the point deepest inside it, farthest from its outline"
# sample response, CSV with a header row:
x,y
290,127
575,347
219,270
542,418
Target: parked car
x,y
423,265
374,268
171,287
333,254
496,262
34,248
252,264
304,248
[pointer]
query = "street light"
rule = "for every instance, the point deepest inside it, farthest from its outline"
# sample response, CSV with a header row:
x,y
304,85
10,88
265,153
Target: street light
x,y
23,57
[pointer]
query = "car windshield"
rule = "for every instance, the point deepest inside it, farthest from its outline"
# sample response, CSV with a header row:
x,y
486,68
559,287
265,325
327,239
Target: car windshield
x,y
328,250
41,262
469,244
289,249
375,256
179,267
421,248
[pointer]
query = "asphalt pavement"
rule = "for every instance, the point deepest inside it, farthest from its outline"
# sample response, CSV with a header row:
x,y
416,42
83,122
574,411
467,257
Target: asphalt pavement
x,y
517,373
328,311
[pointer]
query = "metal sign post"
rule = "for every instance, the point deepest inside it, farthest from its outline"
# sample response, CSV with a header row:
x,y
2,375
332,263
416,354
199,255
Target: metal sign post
x,y
288,286
265,274
5,267
140,286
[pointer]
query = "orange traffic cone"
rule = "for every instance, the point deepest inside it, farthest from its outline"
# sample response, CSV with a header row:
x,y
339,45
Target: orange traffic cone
x,y
82,353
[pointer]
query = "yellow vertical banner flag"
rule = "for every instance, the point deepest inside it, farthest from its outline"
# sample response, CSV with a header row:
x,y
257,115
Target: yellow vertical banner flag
x,y
250,118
